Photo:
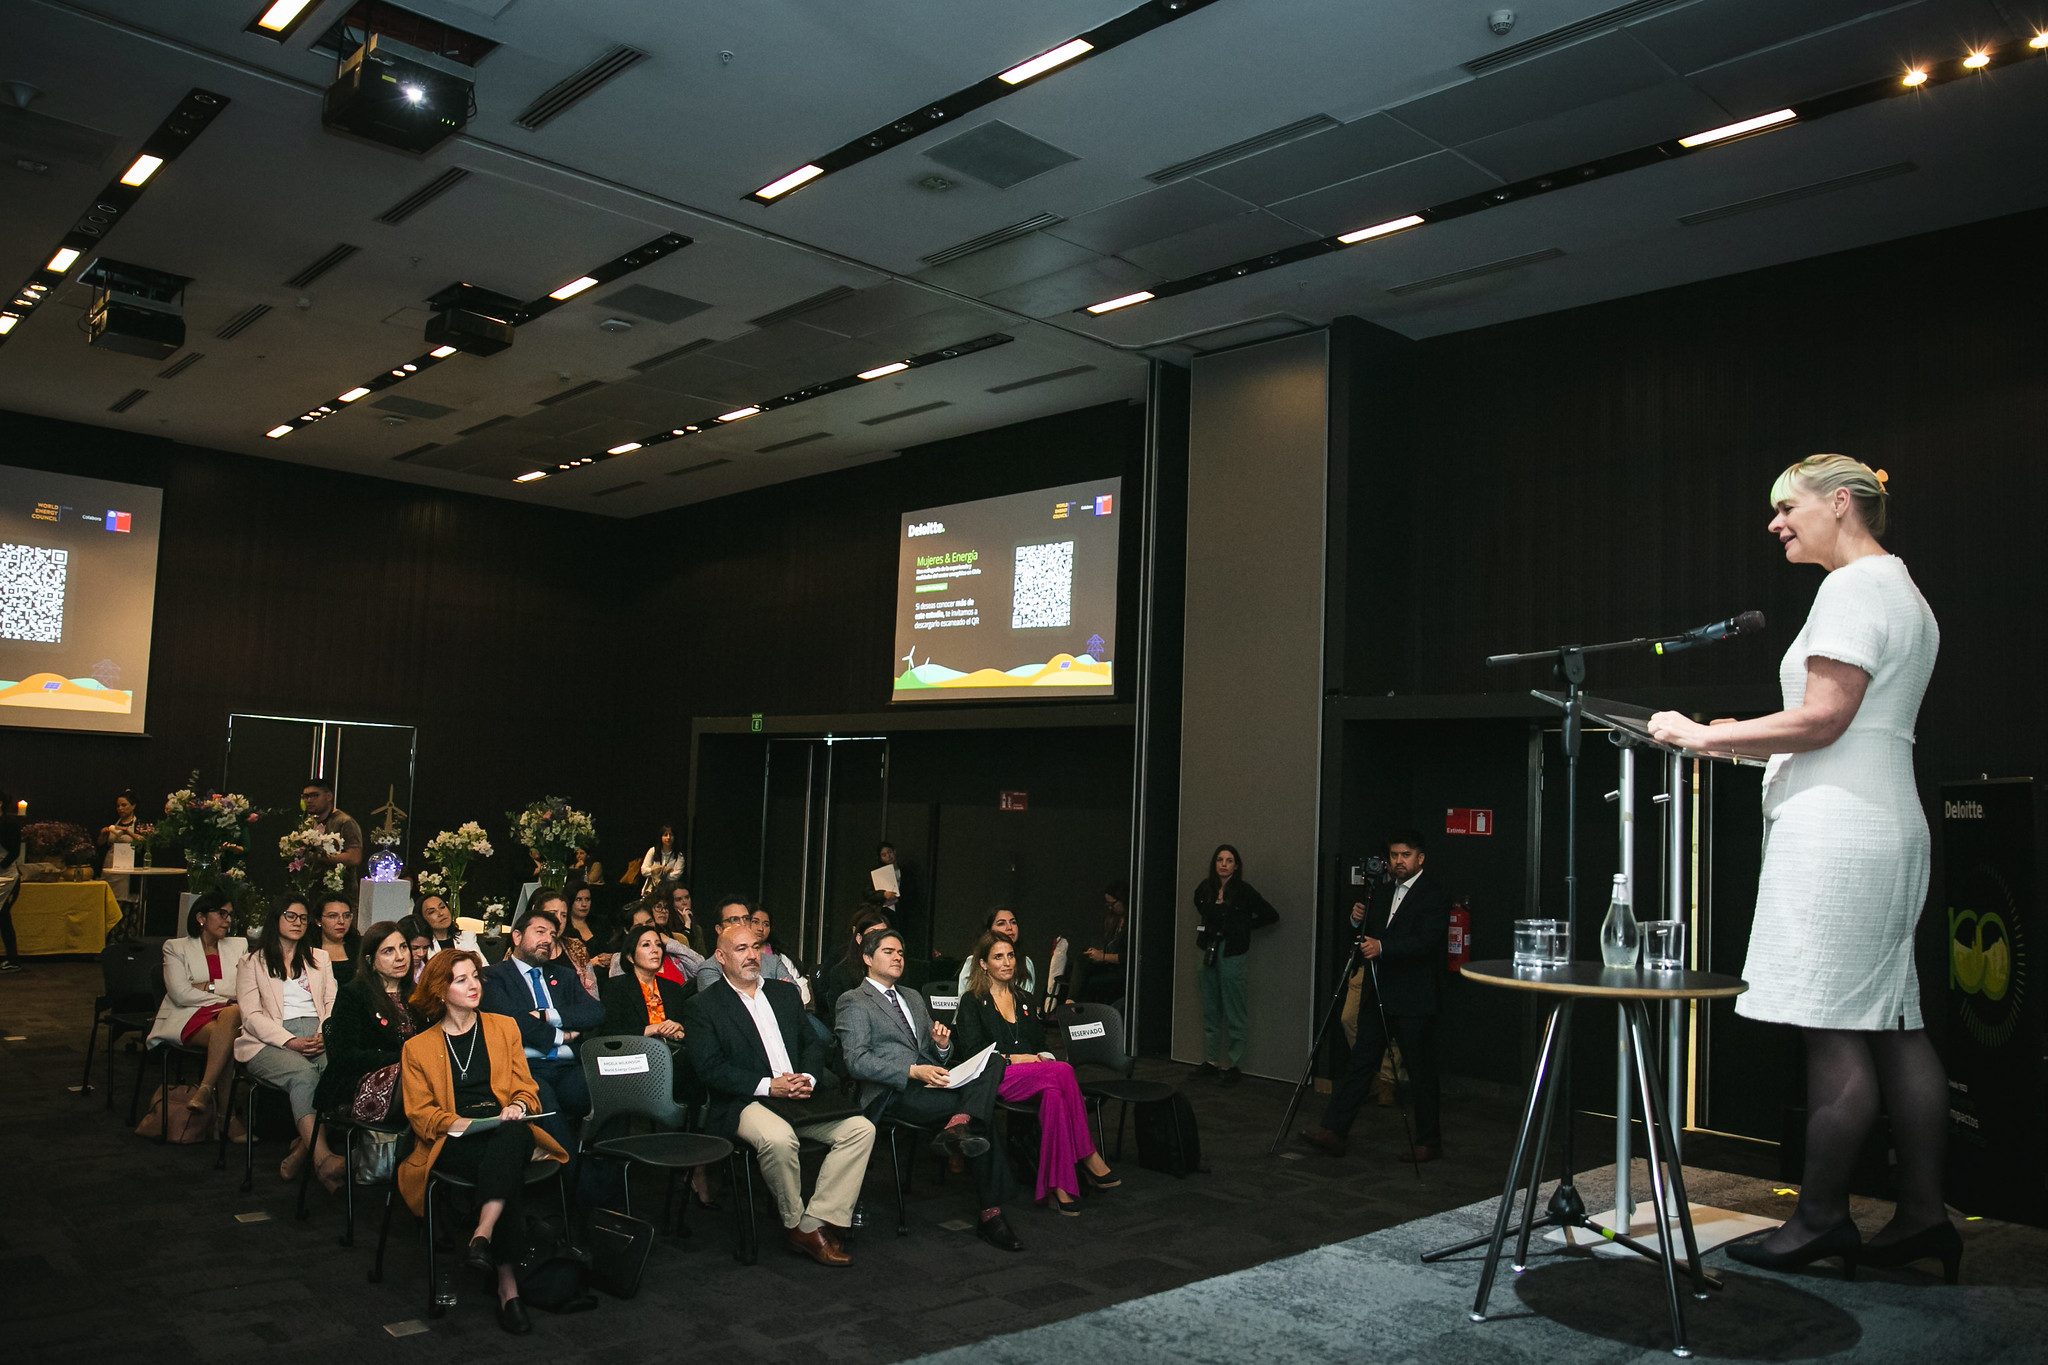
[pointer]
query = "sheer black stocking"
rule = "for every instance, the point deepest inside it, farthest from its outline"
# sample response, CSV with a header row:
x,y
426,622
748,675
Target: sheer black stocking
x,y
1915,1089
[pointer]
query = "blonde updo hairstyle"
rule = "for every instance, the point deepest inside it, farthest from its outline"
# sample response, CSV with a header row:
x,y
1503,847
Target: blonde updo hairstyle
x,y
1823,474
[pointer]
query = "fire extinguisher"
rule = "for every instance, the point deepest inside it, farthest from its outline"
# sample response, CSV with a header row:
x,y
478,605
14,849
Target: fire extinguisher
x,y
1461,935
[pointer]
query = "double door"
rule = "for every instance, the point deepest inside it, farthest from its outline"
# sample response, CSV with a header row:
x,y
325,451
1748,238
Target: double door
x,y
824,804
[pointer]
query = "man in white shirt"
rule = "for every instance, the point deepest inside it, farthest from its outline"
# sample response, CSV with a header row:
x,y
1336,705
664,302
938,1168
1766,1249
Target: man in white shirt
x,y
766,1069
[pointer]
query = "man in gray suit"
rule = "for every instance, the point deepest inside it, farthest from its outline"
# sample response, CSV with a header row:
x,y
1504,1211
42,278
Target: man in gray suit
x,y
898,1054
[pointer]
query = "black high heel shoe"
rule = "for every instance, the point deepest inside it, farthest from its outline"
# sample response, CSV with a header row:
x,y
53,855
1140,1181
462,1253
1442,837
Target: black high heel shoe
x,y
1939,1241
1106,1181
1840,1240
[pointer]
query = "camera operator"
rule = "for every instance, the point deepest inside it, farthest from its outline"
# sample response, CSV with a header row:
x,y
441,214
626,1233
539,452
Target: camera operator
x,y
1406,929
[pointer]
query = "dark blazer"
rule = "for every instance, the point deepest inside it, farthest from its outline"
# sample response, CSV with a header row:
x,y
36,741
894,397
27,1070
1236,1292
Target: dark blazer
x,y
1412,950
1231,923
359,1041
726,1052
625,1008
506,992
978,1022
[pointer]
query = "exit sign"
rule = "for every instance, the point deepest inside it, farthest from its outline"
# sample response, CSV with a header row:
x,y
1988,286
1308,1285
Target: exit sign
x,y
1468,820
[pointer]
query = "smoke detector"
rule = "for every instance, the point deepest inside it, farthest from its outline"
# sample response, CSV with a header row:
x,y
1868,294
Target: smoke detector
x,y
615,325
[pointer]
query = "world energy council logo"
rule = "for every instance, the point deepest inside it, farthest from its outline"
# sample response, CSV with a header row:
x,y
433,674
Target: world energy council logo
x,y
1987,957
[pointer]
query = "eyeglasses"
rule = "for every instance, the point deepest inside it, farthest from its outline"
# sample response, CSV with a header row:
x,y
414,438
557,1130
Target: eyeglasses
x,y
310,794
289,918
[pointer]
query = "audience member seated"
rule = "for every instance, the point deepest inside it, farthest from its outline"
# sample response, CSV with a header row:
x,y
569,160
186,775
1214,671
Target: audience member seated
x,y
199,1009
419,939
765,1070
372,1019
1101,978
898,1054
585,868
992,1012
664,861
579,937
467,1093
1002,922
678,924
286,993
616,958
542,995
774,966
439,918
339,941
850,970
645,1004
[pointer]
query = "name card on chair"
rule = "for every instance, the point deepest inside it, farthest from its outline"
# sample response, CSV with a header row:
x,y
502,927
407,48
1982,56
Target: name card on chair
x,y
633,1065
1091,1030
945,1002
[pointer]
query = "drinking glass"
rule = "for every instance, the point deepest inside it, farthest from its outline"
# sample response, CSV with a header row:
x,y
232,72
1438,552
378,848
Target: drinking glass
x,y
1664,945
1531,943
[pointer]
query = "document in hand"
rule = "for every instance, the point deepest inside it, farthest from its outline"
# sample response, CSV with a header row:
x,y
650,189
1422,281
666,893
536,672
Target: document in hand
x,y
968,1071
884,878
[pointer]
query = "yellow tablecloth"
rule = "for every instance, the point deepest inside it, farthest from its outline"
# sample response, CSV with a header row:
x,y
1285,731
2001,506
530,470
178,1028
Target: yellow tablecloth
x,y
64,917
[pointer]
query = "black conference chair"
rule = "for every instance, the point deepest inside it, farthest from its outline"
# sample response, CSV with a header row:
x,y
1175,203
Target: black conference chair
x,y
132,986
634,1079
1095,1039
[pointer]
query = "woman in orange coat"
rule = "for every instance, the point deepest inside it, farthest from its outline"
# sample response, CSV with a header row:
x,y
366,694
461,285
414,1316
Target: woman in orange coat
x,y
468,1094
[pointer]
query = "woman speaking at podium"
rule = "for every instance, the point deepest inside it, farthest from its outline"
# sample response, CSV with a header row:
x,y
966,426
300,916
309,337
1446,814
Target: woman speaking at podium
x,y
1845,868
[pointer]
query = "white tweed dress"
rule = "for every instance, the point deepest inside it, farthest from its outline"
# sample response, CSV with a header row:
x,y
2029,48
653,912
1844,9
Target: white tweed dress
x,y
1845,842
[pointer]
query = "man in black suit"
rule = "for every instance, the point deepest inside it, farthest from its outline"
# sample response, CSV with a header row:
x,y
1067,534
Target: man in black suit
x,y
763,1065
1407,932
542,994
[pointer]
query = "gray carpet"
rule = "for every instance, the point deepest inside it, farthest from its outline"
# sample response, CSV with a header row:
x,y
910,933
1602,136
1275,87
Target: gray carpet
x,y
1370,1299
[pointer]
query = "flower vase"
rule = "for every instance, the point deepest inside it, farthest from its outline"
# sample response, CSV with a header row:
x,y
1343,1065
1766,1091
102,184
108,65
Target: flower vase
x,y
202,873
554,876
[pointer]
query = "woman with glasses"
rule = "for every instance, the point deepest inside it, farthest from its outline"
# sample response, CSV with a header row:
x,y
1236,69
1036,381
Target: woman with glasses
x,y
286,992
339,942
199,1008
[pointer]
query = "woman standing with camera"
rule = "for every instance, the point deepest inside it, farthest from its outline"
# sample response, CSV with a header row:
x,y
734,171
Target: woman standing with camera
x,y
1227,909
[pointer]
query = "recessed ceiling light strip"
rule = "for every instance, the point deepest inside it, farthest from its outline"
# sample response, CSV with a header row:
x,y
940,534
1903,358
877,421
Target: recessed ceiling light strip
x,y
1920,77
643,255
1028,70
803,395
172,137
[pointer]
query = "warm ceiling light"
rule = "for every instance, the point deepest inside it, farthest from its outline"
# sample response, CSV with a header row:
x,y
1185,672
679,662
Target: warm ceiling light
x,y
1748,125
1914,77
1046,61
1125,302
278,431
627,449
1382,229
7,321
881,370
63,260
2038,40
531,475
281,15
144,167
353,394
737,414
800,176
1977,59
442,352
573,288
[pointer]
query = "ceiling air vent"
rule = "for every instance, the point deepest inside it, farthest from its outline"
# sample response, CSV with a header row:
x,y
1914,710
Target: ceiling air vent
x,y
417,451
424,195
657,361
996,238
1570,33
242,321
178,367
484,425
904,412
1041,379
694,468
1770,201
341,252
797,441
832,295
1272,137
566,394
1549,253
123,404
560,98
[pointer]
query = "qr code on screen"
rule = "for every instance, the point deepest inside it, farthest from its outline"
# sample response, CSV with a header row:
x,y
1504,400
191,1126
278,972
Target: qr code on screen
x,y
32,593
1043,594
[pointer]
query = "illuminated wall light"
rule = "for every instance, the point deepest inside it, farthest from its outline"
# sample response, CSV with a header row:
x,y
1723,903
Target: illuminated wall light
x,y
1977,60
277,431
1044,62
627,449
353,394
144,167
881,370
281,15
1914,77
573,288
63,260
1748,125
1392,225
739,414
802,175
531,475
442,352
1142,296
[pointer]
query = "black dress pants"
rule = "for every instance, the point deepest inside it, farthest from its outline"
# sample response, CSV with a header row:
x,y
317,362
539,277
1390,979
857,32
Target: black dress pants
x,y
922,1104
1416,1033
496,1161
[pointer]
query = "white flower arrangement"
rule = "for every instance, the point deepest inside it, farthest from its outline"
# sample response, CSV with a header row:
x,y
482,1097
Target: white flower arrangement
x,y
449,852
305,851
552,831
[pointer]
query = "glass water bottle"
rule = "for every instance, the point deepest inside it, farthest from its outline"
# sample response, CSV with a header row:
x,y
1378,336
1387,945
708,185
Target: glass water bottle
x,y
1619,938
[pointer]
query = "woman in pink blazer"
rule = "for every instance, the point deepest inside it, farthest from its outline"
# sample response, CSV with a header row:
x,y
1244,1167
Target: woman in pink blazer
x,y
286,991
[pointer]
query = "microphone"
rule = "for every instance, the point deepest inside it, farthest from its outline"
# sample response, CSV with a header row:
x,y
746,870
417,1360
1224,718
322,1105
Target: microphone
x,y
1748,623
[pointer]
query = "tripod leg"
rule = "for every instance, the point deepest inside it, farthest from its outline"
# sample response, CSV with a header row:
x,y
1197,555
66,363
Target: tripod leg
x,y
1663,1147
1387,1031
1521,1261
1538,1093
1308,1072
1636,1021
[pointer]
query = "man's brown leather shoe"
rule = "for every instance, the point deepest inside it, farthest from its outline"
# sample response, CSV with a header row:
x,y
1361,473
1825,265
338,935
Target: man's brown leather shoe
x,y
818,1246
1324,1140
1419,1153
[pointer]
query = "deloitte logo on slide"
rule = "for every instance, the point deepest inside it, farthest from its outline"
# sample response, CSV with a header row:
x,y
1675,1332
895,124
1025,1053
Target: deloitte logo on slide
x,y
928,528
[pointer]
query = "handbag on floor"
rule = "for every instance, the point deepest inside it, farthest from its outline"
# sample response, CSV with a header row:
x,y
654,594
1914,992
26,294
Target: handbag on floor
x,y
1167,1137
619,1247
187,1125
373,1158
